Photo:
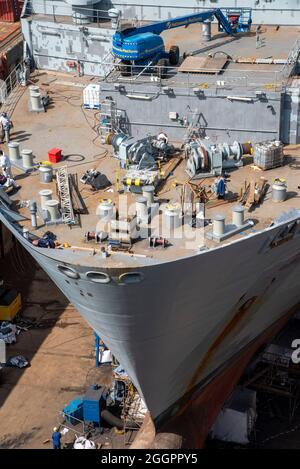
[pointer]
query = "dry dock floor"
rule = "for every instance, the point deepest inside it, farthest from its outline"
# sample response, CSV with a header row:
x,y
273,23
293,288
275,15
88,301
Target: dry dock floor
x,y
61,354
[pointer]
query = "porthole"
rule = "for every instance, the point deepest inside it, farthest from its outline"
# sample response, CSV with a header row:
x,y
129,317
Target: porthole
x,y
71,273
98,277
131,277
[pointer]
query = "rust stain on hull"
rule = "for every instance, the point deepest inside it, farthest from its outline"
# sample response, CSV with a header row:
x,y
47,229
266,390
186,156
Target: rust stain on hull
x,y
226,331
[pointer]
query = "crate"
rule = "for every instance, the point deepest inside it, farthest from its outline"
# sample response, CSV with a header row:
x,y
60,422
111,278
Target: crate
x,y
92,405
91,97
268,155
54,155
10,304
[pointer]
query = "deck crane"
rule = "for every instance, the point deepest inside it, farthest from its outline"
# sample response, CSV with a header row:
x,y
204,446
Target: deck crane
x,y
144,47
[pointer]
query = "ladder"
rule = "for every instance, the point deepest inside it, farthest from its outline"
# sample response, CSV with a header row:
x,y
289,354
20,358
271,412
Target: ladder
x,y
192,127
109,120
108,64
62,180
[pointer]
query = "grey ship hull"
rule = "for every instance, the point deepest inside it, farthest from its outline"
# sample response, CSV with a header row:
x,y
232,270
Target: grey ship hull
x,y
186,320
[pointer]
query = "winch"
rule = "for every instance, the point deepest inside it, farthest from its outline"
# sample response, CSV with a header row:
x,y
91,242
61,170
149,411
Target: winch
x,y
140,153
208,159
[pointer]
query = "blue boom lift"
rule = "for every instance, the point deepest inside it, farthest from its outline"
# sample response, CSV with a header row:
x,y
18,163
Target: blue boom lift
x,y
143,47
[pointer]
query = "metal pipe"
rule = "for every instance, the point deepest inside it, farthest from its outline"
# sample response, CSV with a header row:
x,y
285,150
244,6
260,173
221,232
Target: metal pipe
x,y
33,212
206,31
141,208
154,124
148,193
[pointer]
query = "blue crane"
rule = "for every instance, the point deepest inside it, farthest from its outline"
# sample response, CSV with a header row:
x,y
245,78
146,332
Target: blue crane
x,y
144,47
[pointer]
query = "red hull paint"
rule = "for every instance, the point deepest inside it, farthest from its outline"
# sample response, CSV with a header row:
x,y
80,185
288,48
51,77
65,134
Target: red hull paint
x,y
198,410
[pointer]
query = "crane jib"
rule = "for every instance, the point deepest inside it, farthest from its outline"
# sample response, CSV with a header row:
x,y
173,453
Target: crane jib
x,y
160,26
186,21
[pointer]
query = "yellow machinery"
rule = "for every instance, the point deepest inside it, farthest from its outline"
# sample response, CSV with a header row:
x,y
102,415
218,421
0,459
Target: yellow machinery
x,y
10,304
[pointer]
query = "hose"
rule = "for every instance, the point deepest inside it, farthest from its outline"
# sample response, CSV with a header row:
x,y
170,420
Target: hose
x,y
111,419
114,421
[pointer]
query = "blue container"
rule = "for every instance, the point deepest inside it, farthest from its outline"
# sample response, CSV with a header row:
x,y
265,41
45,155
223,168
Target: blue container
x,y
92,405
74,411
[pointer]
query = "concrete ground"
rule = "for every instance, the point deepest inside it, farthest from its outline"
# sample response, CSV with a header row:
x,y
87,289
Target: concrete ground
x,y
60,349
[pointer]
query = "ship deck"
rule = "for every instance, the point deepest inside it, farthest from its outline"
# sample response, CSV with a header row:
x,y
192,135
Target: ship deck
x,y
248,63
68,126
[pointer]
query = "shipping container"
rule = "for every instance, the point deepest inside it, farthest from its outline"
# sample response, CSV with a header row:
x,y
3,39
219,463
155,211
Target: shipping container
x,y
10,10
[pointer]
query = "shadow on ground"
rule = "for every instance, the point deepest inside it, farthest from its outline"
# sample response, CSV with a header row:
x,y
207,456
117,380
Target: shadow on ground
x,y
42,303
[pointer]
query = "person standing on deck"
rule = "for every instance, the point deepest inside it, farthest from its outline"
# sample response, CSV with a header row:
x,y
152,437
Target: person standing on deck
x,y
6,126
5,165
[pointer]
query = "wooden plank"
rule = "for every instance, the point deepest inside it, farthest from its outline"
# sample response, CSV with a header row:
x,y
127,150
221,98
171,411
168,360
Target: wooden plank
x,y
251,196
169,168
261,186
203,64
217,202
77,201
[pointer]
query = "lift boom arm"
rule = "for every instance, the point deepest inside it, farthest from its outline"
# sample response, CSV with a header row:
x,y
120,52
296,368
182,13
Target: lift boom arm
x,y
158,28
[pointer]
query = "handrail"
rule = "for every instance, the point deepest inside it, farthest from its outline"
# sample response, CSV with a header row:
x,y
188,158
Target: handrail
x,y
292,59
7,98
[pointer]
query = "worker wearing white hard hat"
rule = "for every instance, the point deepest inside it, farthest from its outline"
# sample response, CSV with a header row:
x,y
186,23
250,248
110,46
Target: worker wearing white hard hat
x,y
56,436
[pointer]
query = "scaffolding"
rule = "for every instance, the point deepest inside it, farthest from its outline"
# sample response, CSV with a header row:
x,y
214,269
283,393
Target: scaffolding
x,y
133,409
63,187
275,376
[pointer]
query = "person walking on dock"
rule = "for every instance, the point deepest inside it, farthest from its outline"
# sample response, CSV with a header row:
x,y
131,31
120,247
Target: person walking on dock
x,y
56,436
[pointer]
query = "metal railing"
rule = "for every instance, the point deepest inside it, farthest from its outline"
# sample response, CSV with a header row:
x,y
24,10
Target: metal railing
x,y
204,78
11,90
238,78
292,59
65,14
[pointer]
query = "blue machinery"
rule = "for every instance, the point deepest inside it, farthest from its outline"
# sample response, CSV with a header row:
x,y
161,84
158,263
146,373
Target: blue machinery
x,y
97,347
144,47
